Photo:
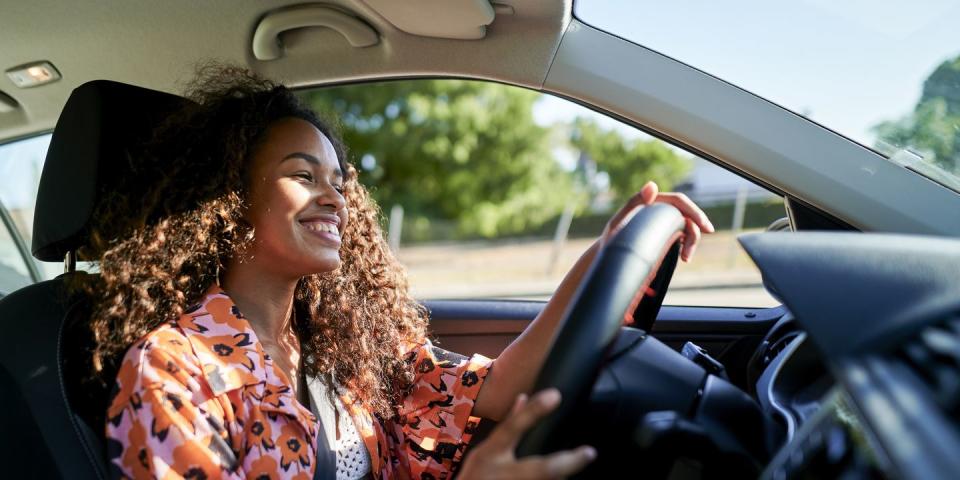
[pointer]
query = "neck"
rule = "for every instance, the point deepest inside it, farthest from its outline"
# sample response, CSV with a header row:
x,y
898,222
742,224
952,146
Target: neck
x,y
265,299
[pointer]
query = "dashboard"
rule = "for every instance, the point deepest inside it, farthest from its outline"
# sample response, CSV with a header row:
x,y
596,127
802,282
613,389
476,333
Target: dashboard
x,y
825,434
863,374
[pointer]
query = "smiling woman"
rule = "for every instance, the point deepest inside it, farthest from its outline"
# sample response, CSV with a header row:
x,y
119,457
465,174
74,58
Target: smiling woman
x,y
269,330
226,191
297,208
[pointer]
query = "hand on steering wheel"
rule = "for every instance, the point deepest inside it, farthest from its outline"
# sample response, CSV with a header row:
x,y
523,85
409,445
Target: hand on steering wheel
x,y
696,219
495,458
635,246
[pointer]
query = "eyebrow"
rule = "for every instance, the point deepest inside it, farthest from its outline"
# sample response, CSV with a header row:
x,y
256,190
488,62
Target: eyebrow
x,y
310,158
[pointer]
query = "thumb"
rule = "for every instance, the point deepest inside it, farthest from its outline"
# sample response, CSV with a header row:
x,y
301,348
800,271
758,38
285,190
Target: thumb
x,y
649,192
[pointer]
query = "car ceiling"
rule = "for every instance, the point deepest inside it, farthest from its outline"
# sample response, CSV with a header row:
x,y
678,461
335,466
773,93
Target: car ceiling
x,y
159,44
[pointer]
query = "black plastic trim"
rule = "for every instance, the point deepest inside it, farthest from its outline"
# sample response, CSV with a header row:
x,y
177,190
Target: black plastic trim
x,y
805,217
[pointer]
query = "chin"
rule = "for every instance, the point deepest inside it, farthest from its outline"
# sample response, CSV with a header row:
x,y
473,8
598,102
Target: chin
x,y
324,266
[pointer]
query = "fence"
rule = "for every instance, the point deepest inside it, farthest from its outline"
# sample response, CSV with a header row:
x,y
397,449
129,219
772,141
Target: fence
x,y
758,211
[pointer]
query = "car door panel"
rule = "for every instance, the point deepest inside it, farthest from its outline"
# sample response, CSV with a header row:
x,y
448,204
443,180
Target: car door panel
x,y
731,335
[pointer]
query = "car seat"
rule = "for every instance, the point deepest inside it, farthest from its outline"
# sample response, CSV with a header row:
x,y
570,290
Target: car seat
x,y
51,418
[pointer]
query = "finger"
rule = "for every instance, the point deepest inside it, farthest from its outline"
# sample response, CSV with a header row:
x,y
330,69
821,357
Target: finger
x,y
690,240
647,195
649,192
508,433
633,203
518,403
557,465
688,209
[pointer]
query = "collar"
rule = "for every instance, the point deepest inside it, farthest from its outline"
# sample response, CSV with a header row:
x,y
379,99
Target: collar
x,y
232,357
227,347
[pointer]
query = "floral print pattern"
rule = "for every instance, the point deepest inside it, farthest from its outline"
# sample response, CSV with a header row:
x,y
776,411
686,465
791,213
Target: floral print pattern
x,y
199,398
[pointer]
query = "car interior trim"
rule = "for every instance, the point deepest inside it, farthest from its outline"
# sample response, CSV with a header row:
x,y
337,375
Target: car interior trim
x,y
765,394
267,44
839,285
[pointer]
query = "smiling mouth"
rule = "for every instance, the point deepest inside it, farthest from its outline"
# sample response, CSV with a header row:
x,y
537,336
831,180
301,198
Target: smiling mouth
x,y
323,229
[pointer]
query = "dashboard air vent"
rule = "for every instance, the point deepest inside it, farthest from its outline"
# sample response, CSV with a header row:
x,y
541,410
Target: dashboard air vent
x,y
934,357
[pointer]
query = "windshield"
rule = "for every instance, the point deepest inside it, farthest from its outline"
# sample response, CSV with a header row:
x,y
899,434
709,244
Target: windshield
x,y
885,74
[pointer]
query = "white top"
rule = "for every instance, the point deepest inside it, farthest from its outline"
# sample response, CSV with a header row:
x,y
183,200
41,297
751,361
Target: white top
x,y
353,460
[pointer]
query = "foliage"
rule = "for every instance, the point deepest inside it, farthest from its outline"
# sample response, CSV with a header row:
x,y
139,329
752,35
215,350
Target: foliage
x,y
629,163
470,153
452,150
933,129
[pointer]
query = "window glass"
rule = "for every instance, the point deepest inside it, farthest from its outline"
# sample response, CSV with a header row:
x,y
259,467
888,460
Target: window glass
x,y
886,74
21,163
13,271
494,191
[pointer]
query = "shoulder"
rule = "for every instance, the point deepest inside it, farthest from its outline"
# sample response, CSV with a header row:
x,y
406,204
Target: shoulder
x,y
162,350
162,359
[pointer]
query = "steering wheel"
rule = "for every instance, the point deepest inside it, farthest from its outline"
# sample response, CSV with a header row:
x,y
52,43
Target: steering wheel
x,y
640,256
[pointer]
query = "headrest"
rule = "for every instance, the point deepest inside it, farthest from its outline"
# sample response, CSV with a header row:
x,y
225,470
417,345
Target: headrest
x,y
101,122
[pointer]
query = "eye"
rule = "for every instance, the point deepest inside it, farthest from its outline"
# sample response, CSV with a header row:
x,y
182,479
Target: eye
x,y
339,189
304,175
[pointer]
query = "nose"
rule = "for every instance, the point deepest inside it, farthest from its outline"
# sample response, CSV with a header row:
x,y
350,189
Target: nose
x,y
330,197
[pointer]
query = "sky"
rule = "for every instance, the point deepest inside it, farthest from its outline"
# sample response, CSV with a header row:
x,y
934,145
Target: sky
x,y
847,64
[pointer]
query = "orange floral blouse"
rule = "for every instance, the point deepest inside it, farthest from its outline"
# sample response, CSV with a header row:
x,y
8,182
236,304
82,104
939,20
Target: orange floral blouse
x,y
199,398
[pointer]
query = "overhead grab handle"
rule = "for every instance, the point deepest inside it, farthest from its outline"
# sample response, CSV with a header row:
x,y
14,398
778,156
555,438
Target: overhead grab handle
x,y
266,38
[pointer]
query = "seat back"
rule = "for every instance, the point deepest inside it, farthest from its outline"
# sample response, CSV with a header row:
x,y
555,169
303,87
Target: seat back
x,y
51,418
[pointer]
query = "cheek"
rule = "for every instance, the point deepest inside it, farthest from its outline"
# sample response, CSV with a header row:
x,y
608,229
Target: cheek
x,y
278,206
344,215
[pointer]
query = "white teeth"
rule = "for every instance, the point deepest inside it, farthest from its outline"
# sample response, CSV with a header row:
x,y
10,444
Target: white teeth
x,y
322,227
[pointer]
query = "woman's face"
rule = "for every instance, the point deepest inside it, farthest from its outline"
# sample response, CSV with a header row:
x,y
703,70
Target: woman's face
x,y
296,203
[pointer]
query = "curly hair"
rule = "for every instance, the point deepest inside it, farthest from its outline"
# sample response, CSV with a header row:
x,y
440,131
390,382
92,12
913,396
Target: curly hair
x,y
162,237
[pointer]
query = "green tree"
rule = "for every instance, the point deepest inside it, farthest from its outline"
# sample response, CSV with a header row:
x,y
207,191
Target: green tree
x,y
629,163
469,152
933,128
464,151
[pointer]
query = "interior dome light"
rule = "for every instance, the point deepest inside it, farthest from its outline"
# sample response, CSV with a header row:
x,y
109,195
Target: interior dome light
x,y
33,74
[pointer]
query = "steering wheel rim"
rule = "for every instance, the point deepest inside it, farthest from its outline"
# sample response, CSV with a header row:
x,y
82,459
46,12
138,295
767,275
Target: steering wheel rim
x,y
610,292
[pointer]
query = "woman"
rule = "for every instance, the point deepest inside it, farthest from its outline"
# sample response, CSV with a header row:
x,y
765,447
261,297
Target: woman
x,y
263,316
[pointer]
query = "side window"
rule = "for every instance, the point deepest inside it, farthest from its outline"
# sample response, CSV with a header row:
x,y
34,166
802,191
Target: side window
x,y
14,270
21,163
494,191
721,273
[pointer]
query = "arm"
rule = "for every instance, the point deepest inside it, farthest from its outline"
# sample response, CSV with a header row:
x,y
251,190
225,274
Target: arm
x,y
515,370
